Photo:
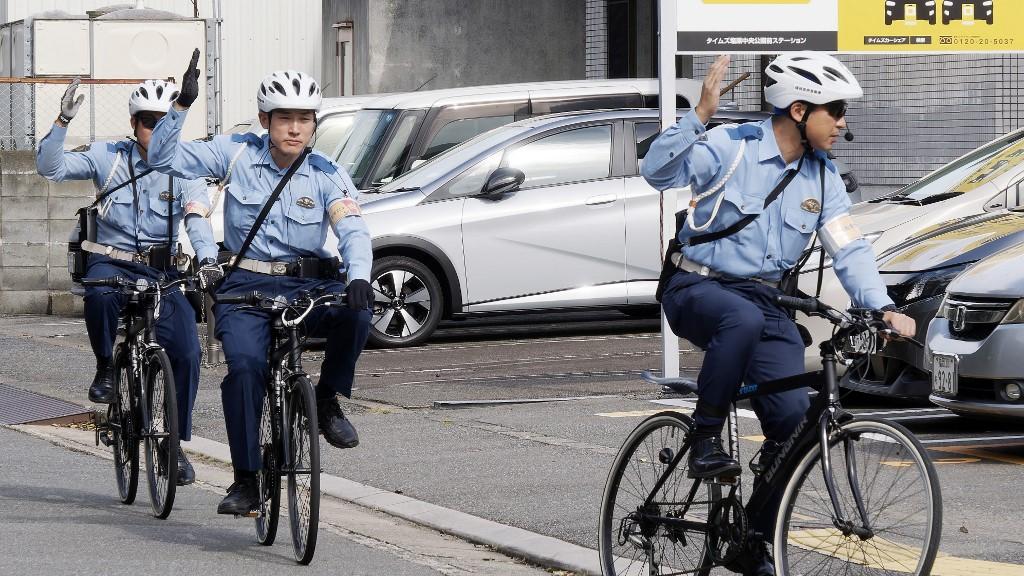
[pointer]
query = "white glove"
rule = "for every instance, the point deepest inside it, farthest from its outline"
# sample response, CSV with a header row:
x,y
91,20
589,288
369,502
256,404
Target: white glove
x,y
69,104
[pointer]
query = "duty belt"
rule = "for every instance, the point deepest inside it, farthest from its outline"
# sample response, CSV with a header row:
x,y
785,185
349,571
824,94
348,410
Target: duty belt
x,y
116,253
326,268
690,266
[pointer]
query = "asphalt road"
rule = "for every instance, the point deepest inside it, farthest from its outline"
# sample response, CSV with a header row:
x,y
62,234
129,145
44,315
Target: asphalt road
x,y
542,465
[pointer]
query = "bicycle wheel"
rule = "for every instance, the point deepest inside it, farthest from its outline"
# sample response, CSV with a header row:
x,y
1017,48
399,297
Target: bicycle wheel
x,y
160,432
303,469
900,493
269,477
121,419
628,542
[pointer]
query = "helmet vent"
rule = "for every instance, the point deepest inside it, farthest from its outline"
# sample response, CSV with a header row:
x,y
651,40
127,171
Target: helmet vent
x,y
799,58
145,94
806,74
775,68
312,89
297,86
836,73
159,91
278,88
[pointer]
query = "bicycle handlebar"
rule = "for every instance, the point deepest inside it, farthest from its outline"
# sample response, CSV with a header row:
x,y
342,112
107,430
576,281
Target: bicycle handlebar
x,y
805,305
112,282
133,285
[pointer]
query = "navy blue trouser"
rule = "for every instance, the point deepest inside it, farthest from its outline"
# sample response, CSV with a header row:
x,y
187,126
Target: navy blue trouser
x,y
245,334
175,329
746,338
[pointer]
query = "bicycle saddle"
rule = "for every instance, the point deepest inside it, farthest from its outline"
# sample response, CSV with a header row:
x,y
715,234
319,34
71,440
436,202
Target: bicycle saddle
x,y
677,385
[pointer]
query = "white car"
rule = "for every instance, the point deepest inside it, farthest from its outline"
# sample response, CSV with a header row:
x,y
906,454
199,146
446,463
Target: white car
x,y
970,185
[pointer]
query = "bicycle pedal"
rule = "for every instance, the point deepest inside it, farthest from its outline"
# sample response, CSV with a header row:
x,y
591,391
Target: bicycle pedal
x,y
725,480
104,437
250,514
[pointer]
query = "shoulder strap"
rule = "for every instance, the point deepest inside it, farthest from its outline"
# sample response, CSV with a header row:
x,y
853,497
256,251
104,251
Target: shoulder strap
x,y
170,218
225,181
265,211
821,260
746,220
129,182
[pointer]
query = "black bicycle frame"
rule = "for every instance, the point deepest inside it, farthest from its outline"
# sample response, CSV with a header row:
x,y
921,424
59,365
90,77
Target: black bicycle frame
x,y
824,412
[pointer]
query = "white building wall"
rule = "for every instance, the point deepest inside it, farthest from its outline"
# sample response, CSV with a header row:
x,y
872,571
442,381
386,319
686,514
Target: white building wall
x,y
257,37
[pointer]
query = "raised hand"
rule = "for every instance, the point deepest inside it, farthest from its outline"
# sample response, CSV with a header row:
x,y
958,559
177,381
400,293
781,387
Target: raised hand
x,y
69,104
711,91
189,83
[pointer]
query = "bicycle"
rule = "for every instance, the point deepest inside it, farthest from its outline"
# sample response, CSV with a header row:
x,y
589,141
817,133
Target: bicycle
x,y
291,450
858,495
145,408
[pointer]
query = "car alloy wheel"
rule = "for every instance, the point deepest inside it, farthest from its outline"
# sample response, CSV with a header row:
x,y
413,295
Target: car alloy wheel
x,y
407,302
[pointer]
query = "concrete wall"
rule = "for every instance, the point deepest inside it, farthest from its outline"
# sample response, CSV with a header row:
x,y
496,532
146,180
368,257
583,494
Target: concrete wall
x,y
401,45
36,216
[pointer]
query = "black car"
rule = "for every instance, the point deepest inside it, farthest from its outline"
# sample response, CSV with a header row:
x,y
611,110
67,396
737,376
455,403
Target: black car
x,y
897,10
975,9
916,273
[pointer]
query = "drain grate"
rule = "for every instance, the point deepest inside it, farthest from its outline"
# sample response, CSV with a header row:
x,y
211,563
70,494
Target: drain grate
x,y
19,406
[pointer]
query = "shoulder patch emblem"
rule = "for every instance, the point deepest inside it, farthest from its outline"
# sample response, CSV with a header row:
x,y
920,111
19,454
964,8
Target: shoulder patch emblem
x,y
166,195
305,202
82,148
811,205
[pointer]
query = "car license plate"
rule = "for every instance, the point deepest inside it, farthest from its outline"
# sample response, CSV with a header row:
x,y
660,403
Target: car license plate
x,y
944,374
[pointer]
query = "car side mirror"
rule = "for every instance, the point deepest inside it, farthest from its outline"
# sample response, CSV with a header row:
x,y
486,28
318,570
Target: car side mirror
x,y
501,182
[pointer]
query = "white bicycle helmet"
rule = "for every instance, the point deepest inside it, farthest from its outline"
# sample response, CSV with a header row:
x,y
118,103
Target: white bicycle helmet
x,y
288,89
152,96
812,77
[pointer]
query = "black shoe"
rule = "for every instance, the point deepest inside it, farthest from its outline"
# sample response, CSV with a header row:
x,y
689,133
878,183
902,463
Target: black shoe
x,y
186,474
708,459
243,497
755,560
337,430
102,390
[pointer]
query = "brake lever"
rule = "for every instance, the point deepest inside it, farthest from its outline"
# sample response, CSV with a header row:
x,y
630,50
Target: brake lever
x,y
892,335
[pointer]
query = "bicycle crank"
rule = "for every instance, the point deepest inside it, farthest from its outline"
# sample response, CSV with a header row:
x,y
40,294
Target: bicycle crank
x,y
727,529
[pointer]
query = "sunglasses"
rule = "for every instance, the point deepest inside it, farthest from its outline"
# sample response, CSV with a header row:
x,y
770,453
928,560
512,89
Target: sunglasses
x,y
148,121
836,109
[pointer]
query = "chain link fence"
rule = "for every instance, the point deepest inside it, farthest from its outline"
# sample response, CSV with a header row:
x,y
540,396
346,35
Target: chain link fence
x,y
28,107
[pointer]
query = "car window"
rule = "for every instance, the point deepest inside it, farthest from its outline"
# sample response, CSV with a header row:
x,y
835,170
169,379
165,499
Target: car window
x,y
645,134
332,131
391,162
459,131
360,148
972,171
570,156
472,180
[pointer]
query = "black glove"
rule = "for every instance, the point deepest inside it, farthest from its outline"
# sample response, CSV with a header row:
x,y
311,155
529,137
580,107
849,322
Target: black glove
x,y
190,83
69,104
360,294
210,274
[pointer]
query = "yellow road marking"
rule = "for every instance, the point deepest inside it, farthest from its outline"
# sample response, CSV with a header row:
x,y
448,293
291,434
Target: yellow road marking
x,y
885,555
632,413
907,463
982,453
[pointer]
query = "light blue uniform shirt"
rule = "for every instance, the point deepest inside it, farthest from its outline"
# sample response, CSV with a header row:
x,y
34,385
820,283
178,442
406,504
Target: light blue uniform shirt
x,y
121,218
686,155
297,223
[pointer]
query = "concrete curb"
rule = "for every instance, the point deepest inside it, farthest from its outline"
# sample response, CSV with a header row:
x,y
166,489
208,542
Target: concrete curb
x,y
530,546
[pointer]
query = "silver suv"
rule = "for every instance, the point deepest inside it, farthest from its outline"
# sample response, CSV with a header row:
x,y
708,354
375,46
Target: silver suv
x,y
545,213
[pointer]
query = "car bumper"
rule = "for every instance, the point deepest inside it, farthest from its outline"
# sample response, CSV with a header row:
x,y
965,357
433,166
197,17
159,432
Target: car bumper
x,y
983,368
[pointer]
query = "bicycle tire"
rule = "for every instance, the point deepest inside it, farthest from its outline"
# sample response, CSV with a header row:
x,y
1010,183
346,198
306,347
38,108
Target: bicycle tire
x,y
125,442
805,535
620,544
268,478
160,434
303,469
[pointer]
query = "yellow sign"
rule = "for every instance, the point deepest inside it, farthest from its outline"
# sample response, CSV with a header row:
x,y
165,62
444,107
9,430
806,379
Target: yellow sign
x,y
756,1
931,25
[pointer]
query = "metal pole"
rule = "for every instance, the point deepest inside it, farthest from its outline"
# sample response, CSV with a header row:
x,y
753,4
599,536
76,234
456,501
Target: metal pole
x,y
667,85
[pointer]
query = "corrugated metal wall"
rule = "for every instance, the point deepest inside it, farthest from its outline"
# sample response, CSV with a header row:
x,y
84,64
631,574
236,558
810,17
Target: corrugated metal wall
x,y
258,37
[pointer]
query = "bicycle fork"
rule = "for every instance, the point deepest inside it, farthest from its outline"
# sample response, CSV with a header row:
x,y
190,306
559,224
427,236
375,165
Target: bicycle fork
x,y
826,423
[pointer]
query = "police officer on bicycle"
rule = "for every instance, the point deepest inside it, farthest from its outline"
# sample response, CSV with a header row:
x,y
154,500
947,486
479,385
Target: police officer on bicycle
x,y
722,295
285,258
132,239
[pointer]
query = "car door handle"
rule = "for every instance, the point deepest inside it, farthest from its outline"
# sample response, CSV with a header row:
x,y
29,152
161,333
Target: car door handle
x,y
602,199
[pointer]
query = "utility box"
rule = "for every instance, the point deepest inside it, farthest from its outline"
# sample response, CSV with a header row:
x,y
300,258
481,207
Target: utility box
x,y
103,49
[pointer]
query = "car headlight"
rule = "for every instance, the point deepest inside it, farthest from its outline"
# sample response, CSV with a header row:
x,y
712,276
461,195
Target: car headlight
x,y
926,285
1016,314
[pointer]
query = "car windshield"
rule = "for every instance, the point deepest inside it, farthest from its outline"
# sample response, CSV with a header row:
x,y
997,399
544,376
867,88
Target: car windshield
x,y
332,131
970,172
452,159
364,140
